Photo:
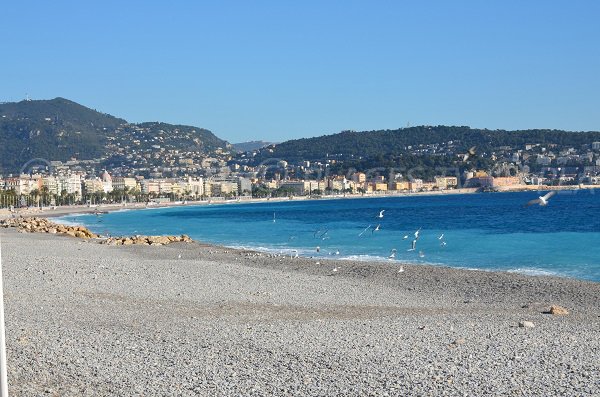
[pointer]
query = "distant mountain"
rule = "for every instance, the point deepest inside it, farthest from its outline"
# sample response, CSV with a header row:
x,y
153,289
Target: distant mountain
x,y
60,129
370,144
250,146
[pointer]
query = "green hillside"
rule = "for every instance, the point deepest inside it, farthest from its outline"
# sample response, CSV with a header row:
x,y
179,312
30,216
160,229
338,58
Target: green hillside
x,y
59,129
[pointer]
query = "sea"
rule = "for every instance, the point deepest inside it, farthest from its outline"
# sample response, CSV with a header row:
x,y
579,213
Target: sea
x,y
486,231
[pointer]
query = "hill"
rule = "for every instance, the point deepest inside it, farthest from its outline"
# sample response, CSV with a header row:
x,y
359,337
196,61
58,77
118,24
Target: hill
x,y
60,129
424,139
250,146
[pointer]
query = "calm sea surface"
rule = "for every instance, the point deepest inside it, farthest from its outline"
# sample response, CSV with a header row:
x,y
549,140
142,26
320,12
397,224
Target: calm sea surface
x,y
481,231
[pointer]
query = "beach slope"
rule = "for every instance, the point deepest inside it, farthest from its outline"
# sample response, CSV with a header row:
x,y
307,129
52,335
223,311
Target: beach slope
x,y
85,319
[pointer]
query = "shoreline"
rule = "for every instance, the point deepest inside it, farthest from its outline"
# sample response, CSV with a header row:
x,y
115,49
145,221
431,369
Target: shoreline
x,y
49,212
85,318
74,210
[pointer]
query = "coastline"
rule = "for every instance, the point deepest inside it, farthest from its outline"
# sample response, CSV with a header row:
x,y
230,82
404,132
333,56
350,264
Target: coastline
x,y
51,212
91,319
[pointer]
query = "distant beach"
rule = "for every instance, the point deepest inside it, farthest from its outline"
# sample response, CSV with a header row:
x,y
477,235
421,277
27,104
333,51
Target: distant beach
x,y
54,211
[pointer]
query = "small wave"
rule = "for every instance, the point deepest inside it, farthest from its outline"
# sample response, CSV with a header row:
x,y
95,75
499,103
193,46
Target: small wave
x,y
66,222
535,272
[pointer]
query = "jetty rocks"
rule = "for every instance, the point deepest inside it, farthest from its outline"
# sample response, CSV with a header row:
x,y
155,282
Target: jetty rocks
x,y
43,225
147,240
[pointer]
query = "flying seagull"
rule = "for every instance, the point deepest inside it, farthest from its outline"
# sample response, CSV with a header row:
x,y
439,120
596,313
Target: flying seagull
x,y
376,229
392,253
470,153
405,237
417,234
361,233
380,214
413,245
441,237
542,200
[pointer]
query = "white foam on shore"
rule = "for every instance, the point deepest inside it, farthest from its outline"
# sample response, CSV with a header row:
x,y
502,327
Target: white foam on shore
x,y
535,272
65,222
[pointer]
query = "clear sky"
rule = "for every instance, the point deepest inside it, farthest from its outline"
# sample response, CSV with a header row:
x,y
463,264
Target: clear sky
x,y
276,70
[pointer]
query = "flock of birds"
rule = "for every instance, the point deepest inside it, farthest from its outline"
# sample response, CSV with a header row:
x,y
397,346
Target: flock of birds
x,y
323,233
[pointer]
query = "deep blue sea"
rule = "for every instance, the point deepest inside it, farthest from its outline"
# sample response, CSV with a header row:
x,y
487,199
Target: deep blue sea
x,y
480,231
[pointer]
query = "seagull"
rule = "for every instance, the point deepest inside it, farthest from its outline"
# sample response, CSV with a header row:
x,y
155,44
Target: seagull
x,y
376,229
335,269
405,237
413,245
294,252
470,153
392,253
380,214
417,234
318,249
542,200
441,237
421,254
361,233
319,230
401,270
179,256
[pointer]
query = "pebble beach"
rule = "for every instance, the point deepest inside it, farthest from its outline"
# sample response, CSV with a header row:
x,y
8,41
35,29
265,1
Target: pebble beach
x,y
190,319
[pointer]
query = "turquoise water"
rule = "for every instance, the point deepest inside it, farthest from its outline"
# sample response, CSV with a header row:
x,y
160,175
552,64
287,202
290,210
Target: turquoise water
x,y
482,231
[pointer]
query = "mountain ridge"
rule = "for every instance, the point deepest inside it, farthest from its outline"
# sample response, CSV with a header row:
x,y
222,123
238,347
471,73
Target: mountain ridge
x,y
61,129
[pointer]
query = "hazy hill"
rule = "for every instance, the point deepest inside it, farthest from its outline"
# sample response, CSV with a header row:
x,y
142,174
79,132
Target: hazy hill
x,y
59,129
250,146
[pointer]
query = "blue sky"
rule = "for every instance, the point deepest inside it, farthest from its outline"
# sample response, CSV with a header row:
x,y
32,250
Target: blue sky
x,y
276,70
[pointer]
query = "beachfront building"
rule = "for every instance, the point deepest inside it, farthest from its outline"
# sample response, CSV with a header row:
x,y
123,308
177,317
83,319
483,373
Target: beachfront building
x,y
23,184
378,186
63,184
506,181
298,188
429,186
399,185
223,188
446,182
193,187
93,185
415,185
150,186
359,177
125,184
107,185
